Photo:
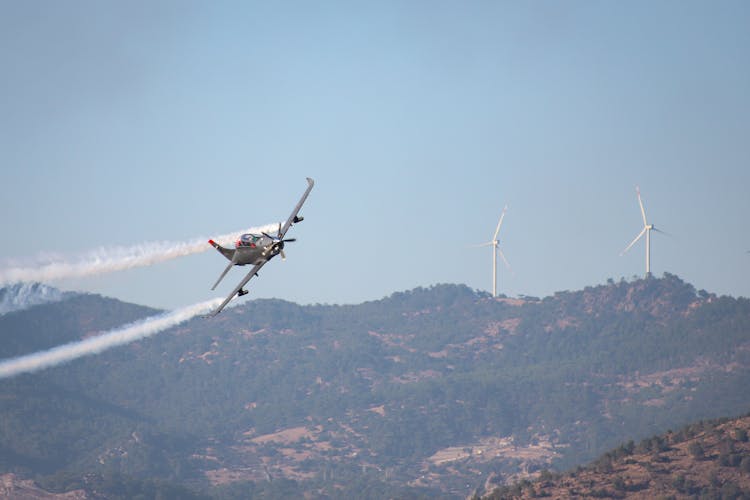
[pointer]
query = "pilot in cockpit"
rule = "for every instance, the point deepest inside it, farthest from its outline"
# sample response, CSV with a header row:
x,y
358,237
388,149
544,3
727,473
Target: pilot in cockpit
x,y
248,240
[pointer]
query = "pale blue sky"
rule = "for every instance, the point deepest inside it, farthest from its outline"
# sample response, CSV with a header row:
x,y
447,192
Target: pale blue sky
x,y
129,122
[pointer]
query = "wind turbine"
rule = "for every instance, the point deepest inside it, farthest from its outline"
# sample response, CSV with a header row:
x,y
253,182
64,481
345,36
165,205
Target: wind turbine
x,y
495,250
647,228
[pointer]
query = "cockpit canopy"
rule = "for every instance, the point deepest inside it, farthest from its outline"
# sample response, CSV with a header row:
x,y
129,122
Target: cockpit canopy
x,y
249,240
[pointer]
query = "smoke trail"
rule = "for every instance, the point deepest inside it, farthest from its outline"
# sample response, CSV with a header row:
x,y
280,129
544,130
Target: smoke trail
x,y
110,259
94,345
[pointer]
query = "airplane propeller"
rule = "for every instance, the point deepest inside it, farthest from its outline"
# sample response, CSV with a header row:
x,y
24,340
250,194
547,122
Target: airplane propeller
x,y
278,241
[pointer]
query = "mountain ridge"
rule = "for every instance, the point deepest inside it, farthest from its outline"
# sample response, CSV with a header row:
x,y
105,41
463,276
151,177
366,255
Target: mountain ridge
x,y
425,391
20,296
69,318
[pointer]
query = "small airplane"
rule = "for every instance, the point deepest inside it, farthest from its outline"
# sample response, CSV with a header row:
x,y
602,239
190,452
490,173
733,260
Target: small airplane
x,y
257,249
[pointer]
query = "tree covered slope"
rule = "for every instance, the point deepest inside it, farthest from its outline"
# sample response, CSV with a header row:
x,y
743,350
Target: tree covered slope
x,y
438,390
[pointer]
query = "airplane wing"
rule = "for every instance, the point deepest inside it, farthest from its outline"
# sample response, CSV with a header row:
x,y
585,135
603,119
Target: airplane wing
x,y
248,277
290,220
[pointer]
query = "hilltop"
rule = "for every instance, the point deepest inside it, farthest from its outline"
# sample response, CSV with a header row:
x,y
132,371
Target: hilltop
x,y
710,459
436,391
21,296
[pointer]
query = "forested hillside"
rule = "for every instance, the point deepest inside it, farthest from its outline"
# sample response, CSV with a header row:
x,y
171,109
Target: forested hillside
x,y
708,459
435,391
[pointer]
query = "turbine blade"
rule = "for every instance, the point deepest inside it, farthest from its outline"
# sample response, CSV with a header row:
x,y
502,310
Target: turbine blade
x,y
489,243
502,256
662,232
640,202
643,231
500,222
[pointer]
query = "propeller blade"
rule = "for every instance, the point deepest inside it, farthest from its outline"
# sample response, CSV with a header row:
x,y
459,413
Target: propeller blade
x,y
283,255
500,222
279,231
633,242
276,239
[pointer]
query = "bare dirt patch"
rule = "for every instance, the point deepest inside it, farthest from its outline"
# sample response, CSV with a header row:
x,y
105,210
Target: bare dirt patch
x,y
286,436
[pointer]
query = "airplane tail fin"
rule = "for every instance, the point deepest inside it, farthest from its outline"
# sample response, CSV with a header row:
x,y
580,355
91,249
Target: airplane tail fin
x,y
226,252
222,275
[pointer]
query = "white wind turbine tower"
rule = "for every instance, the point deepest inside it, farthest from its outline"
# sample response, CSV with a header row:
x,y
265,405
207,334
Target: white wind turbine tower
x,y
647,228
496,250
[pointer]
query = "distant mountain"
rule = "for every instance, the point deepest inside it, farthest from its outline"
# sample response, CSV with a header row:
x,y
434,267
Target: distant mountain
x,y
438,391
710,459
24,295
72,317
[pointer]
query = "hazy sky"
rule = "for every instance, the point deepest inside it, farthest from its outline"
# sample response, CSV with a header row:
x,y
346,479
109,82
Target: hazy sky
x,y
129,122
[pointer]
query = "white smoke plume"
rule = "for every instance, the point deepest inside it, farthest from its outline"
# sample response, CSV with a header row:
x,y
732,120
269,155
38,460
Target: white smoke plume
x,y
94,345
111,259
21,296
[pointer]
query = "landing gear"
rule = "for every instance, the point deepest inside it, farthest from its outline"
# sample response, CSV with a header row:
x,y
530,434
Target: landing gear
x,y
242,292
